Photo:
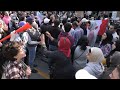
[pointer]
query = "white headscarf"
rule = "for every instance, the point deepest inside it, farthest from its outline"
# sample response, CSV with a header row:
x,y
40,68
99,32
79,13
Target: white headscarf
x,y
97,54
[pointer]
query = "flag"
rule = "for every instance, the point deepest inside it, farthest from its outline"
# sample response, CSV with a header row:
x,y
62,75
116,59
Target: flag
x,y
103,27
102,24
40,16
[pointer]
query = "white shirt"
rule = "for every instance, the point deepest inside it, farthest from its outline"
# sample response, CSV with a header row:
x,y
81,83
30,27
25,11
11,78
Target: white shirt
x,y
115,37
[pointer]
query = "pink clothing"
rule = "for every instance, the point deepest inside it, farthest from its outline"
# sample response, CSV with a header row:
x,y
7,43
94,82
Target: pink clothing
x,y
6,19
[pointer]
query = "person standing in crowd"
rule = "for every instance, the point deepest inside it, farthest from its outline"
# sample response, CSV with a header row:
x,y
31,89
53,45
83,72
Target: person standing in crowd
x,y
115,47
114,61
31,39
78,32
79,54
83,25
106,43
94,66
22,20
45,27
113,29
91,27
67,28
11,66
60,66
6,18
54,31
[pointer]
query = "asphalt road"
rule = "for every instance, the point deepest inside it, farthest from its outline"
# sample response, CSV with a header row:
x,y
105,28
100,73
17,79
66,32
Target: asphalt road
x,y
42,68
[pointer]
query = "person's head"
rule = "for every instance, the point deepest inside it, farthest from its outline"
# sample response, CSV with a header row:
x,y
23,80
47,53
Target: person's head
x,y
107,38
113,28
35,25
116,45
83,42
115,73
30,20
56,23
75,24
95,55
114,59
64,21
22,18
13,51
52,18
6,13
64,46
67,27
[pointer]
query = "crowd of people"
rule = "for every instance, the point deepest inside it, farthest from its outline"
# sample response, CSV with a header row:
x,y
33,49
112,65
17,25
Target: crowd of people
x,y
69,43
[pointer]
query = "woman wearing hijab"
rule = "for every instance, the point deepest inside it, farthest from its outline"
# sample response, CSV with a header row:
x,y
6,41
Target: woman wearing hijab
x,y
60,66
94,66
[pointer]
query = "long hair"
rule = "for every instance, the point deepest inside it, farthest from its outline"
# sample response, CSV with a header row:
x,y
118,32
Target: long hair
x,y
83,42
108,39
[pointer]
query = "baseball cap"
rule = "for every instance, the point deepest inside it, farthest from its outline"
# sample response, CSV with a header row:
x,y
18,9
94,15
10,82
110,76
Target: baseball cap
x,y
46,20
30,20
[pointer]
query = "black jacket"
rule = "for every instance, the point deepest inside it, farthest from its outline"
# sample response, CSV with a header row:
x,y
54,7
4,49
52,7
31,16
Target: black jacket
x,y
60,65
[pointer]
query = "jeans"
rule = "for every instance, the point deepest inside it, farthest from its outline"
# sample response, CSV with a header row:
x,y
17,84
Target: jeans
x,y
32,54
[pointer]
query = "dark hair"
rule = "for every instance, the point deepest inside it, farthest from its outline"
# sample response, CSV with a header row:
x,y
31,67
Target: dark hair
x,y
11,49
64,21
67,27
22,18
83,42
75,23
56,23
108,39
117,45
8,52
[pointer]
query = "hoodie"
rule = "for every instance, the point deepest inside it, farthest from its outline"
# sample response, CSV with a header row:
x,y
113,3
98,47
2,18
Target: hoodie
x,y
95,69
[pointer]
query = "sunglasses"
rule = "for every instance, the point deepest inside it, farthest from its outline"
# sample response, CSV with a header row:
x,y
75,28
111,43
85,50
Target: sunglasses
x,y
90,50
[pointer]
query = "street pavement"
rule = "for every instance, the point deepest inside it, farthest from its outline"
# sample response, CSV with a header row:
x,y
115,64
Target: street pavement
x,y
42,68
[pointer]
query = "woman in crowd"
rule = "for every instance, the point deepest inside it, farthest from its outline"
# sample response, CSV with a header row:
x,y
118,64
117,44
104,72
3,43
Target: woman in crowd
x,y
60,66
79,55
12,66
106,43
94,66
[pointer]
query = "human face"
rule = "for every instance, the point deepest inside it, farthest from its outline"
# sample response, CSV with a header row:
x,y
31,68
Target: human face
x,y
111,28
113,45
104,36
6,13
114,74
21,54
